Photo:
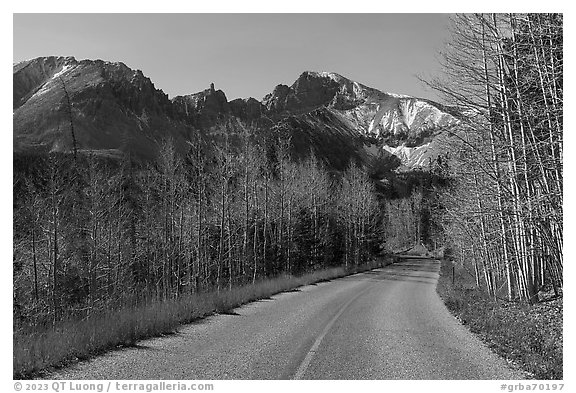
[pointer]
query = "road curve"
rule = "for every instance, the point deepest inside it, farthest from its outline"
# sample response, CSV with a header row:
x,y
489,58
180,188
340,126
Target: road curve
x,y
387,323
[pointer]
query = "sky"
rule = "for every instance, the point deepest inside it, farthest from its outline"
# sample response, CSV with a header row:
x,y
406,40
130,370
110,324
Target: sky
x,y
245,55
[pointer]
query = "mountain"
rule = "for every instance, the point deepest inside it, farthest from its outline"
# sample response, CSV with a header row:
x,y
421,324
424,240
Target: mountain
x,y
410,129
114,108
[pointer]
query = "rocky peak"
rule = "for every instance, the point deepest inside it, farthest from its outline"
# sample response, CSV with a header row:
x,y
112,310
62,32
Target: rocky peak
x,y
30,75
203,108
315,89
248,109
309,91
130,87
113,106
276,101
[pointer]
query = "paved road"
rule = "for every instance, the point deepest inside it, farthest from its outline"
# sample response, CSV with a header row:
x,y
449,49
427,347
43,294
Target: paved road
x,y
388,323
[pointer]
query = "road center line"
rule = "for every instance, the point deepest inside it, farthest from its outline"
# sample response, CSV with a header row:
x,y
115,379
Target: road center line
x,y
306,362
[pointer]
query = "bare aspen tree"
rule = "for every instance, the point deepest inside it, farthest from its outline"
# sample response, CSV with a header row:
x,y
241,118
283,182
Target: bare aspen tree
x,y
508,108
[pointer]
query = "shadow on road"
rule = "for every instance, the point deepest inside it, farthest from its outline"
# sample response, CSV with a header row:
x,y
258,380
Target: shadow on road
x,y
143,347
413,270
229,312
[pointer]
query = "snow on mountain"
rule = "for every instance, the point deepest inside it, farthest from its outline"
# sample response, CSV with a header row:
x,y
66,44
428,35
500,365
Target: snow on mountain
x,y
418,156
404,126
46,86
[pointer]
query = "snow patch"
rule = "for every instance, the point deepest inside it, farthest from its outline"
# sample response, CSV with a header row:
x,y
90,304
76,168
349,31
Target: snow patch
x,y
335,77
44,87
62,71
413,157
388,116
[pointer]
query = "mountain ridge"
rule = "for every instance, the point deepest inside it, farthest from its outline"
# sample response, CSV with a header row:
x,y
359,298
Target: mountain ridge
x,y
118,108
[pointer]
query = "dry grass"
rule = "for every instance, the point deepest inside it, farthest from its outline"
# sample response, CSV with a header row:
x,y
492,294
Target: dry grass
x,y
530,336
76,340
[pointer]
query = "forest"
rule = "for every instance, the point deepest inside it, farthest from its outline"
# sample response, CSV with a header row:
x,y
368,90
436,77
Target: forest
x,y
502,216
93,235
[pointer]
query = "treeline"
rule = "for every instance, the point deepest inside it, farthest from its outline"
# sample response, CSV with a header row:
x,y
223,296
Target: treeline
x,y
93,234
503,213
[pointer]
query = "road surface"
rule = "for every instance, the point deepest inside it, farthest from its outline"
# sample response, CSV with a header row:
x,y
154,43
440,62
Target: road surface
x,y
388,323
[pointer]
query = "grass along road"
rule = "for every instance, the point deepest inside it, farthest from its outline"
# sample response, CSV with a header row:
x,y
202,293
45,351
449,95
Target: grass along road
x,y
71,341
529,336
